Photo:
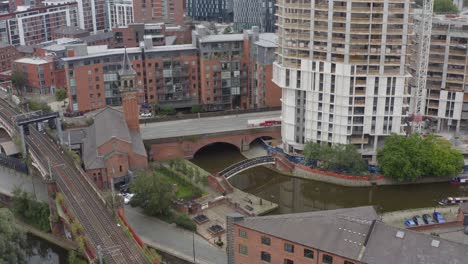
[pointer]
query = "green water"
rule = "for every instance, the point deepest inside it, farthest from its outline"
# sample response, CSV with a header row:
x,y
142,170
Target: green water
x,y
297,195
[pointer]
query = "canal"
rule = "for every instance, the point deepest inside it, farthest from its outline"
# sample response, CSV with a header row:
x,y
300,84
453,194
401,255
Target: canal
x,y
297,195
44,252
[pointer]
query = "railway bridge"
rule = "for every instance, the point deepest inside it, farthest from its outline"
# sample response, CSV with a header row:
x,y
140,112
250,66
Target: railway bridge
x,y
81,202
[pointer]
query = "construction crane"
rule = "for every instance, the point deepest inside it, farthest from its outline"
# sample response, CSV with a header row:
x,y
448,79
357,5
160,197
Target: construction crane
x,y
425,29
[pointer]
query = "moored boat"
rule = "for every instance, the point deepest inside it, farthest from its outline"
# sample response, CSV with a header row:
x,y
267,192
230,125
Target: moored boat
x,y
453,200
459,180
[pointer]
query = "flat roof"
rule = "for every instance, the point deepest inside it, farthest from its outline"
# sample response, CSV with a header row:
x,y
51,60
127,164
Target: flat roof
x,y
267,40
32,60
222,38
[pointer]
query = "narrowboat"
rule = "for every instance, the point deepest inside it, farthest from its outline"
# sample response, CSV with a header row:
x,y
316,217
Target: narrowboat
x,y
453,200
459,180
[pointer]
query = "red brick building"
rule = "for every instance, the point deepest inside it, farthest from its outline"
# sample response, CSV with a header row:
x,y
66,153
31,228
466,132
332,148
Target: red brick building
x,y
8,54
69,32
342,236
41,74
169,11
167,75
159,33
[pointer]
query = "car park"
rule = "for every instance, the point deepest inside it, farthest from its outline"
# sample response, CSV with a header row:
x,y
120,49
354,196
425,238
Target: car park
x,y
409,222
428,219
438,217
418,220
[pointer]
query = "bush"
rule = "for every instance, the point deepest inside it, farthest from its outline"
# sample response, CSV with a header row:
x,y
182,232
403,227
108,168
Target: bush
x,y
185,222
444,6
32,212
35,105
60,94
168,110
197,109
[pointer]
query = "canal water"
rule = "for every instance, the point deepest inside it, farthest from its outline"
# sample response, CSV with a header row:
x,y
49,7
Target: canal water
x,y
44,252
297,195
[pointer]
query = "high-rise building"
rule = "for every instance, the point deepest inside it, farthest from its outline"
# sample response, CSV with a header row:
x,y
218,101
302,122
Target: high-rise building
x,y
210,10
119,13
445,87
36,25
171,11
342,66
249,13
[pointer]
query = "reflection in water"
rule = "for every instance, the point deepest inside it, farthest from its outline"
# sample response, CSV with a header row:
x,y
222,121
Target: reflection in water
x,y
44,252
297,195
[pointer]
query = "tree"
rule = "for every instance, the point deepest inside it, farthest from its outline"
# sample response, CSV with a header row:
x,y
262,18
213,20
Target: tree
x,y
61,94
31,211
227,30
341,158
414,157
153,193
73,258
444,6
18,81
35,105
12,241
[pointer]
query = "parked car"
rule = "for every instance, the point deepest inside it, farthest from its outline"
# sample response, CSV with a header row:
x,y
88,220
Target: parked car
x,y
146,114
438,217
418,220
409,222
128,197
428,219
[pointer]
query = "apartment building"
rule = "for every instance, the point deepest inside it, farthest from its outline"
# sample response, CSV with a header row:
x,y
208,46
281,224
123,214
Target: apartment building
x,y
8,54
223,70
36,25
166,75
91,13
119,13
342,236
169,11
446,98
262,92
342,67
210,10
249,13
69,32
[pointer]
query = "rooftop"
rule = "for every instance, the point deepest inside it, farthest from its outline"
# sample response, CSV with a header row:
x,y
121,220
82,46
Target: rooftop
x,y
69,30
222,38
99,36
267,40
33,60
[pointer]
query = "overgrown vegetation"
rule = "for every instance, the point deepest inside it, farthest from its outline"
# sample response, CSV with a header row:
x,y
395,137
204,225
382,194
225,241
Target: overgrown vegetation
x,y
197,109
32,212
444,6
153,192
185,189
13,241
73,258
18,81
338,158
414,157
35,105
183,221
60,94
196,175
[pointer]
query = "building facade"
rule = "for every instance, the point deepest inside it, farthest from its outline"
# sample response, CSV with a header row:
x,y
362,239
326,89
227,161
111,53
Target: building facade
x,y
210,10
166,75
36,25
446,98
8,54
342,67
119,13
169,11
249,13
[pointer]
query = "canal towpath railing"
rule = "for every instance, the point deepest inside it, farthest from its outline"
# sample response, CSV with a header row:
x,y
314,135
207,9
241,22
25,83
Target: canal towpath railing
x,y
245,165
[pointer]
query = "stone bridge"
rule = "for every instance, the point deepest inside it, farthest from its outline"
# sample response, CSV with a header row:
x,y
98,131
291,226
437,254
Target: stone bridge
x,y
187,146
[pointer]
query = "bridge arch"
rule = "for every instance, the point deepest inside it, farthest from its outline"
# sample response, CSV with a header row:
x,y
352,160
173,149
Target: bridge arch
x,y
201,148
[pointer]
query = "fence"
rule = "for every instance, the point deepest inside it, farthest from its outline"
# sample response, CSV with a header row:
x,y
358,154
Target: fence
x,y
13,163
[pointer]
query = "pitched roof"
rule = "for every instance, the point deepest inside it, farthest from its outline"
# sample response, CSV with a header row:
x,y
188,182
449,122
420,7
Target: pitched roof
x,y
384,247
342,232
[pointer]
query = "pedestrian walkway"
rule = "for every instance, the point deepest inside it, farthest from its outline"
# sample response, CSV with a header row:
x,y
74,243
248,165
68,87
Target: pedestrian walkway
x,y
173,240
9,179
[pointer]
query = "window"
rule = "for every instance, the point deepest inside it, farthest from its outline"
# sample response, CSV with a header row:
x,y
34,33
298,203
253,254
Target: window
x,y
327,259
348,262
121,168
266,240
308,253
242,233
289,247
288,261
265,256
243,250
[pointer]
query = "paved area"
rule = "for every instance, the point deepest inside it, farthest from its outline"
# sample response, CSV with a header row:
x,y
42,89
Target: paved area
x,y
202,125
173,240
397,218
217,216
10,178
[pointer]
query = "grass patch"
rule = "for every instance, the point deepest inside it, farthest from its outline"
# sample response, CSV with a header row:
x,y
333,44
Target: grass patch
x,y
186,189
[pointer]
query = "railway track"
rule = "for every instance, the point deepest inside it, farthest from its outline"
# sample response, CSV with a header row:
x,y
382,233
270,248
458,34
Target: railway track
x,y
83,199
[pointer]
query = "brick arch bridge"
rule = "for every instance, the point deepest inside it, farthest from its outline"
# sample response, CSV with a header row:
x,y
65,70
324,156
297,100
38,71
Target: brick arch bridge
x,y
187,146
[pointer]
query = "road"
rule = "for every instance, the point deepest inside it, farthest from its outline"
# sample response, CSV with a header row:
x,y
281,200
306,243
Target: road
x,y
201,126
10,178
173,240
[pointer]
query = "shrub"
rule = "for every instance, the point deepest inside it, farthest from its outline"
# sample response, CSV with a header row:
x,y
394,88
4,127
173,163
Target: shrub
x,y
185,222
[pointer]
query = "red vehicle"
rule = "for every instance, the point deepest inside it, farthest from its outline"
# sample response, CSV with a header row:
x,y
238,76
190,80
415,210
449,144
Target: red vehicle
x,y
270,123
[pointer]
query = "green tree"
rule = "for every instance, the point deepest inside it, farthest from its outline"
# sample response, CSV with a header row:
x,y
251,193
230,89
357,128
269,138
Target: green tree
x,y
153,193
444,6
227,30
197,109
18,81
168,110
411,158
61,94
73,258
12,241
